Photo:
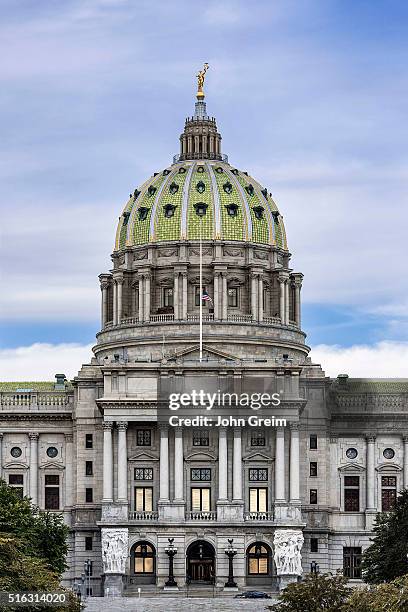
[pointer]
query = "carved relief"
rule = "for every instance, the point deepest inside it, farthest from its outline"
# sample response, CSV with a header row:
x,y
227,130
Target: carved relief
x,y
233,252
114,550
197,252
167,252
261,255
288,544
140,255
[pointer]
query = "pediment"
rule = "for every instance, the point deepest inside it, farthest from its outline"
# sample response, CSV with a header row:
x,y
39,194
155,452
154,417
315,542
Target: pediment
x,y
351,467
52,465
194,352
200,456
15,464
143,456
257,457
388,467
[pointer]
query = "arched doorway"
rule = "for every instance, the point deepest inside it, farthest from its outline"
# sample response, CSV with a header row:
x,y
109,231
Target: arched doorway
x,y
259,564
201,562
143,563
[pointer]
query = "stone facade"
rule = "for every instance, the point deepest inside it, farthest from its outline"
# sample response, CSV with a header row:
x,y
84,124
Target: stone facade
x,y
287,497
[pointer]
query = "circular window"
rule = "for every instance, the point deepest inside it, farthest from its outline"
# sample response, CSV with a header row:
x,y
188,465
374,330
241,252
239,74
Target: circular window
x,y
351,453
52,451
16,452
388,453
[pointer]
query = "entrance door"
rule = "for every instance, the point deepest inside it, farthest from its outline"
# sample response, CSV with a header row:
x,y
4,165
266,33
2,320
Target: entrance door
x,y
201,562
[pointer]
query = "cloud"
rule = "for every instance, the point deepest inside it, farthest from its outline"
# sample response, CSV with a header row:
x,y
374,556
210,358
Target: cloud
x,y
42,361
381,360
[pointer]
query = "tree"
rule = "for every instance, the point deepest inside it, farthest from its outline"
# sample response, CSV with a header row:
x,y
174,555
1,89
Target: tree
x,y
392,597
316,593
386,558
43,534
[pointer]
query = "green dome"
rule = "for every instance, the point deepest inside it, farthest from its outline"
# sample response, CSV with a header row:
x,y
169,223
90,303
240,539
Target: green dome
x,y
164,207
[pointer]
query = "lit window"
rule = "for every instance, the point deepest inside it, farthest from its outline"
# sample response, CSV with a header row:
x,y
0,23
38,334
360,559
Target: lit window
x,y
143,499
258,500
144,558
258,559
200,499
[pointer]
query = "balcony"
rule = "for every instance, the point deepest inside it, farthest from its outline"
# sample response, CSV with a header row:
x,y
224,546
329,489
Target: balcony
x,y
258,516
35,401
195,318
142,515
201,516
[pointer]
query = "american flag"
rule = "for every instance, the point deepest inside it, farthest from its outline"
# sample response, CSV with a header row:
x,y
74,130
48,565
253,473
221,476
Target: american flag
x,y
206,297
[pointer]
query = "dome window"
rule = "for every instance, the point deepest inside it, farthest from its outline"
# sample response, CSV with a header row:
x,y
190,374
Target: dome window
x,y
265,193
126,216
136,194
173,188
235,171
155,173
232,209
143,212
259,211
151,191
182,170
276,214
219,170
169,210
201,208
200,187
200,169
166,172
227,187
250,189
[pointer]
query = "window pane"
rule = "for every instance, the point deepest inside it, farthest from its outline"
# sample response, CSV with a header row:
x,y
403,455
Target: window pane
x,y
88,441
51,498
253,500
262,500
51,479
351,481
143,437
205,500
138,565
351,500
253,566
148,566
195,499
263,566
313,442
15,479
148,500
313,468
388,499
389,481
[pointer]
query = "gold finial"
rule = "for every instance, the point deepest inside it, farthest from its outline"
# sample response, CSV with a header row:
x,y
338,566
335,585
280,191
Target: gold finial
x,y
200,80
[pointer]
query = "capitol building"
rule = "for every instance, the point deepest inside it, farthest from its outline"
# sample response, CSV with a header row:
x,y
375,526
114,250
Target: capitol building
x,y
162,507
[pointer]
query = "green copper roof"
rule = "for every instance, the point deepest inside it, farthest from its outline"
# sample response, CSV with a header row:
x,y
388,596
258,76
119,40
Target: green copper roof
x,y
26,387
163,208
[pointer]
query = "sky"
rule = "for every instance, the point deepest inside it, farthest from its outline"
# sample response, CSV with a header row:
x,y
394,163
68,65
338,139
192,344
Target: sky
x,y
310,98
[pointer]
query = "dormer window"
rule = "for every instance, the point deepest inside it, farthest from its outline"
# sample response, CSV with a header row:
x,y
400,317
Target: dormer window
x,y
227,187
200,187
219,170
200,169
169,210
173,188
182,170
265,193
232,210
235,171
143,212
151,191
166,172
259,211
126,216
276,215
136,194
250,189
201,208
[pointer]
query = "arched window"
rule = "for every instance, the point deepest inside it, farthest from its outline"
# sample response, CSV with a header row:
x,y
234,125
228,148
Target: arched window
x,y
258,556
143,555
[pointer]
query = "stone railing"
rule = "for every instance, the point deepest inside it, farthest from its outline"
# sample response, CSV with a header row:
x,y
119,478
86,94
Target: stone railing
x,y
258,516
272,320
240,318
129,321
34,400
196,317
161,318
142,515
201,516
207,318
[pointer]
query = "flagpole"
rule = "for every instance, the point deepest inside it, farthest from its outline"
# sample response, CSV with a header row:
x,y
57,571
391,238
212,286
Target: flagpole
x,y
201,291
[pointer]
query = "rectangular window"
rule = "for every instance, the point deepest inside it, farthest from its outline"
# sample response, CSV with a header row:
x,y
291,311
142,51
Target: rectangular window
x,y
88,542
258,474
167,296
200,499
313,469
258,500
388,492
257,438
17,481
143,499
233,297
143,473
352,561
351,493
88,440
313,442
89,495
143,437
314,545
201,438
51,501
313,496
200,474
197,295
88,468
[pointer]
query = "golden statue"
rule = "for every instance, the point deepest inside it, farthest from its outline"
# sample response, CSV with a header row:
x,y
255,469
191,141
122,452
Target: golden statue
x,y
200,80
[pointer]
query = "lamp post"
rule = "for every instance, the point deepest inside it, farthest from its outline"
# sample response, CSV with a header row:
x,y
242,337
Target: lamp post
x,y
171,551
230,551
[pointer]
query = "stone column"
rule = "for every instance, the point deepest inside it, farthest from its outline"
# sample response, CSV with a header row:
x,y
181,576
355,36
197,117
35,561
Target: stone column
x,y
189,144
141,298
254,306
287,309
122,461
260,298
280,465
119,282
224,297
104,313
185,296
216,296
294,463
334,486
115,303
1,455
405,440
164,463
107,462
222,464
237,465
69,484
176,296
298,286
211,144
34,467
147,297
205,144
370,474
178,465
282,300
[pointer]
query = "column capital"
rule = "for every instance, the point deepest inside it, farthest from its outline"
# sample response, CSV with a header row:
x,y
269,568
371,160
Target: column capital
x,y
163,427
1,435
104,285
404,437
33,435
178,431
69,438
334,438
370,438
107,425
294,426
123,425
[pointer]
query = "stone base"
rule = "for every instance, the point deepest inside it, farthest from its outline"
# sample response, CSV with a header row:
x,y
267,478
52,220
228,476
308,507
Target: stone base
x,y
228,512
113,585
172,511
114,512
231,589
284,580
170,588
